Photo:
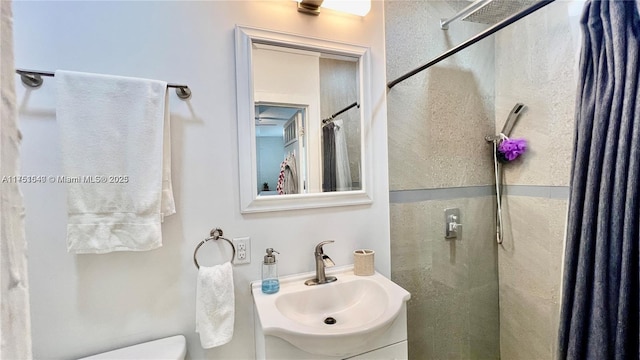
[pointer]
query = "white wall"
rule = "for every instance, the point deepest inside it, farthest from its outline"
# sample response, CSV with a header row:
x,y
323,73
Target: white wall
x,y
90,303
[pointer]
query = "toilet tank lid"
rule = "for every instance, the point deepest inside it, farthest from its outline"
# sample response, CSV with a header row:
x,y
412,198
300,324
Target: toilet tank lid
x,y
170,348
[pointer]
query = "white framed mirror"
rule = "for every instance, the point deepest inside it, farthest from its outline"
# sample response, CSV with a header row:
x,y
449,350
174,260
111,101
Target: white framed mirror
x,y
303,115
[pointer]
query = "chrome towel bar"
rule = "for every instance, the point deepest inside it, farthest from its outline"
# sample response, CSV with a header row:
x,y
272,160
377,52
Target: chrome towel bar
x,y
216,234
33,78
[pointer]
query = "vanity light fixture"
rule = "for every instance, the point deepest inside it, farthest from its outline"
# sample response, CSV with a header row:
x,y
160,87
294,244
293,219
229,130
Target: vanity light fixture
x,y
355,7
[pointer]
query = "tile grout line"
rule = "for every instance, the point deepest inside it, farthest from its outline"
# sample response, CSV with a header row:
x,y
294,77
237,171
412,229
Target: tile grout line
x,y
419,195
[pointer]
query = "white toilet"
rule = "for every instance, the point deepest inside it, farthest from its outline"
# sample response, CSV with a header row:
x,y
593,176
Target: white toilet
x,y
171,348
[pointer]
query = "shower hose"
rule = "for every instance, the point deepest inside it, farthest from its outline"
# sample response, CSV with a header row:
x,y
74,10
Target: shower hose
x,y
497,167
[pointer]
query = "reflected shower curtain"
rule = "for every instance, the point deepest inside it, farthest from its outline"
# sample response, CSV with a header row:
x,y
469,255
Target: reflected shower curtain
x,y
600,307
343,170
336,173
328,158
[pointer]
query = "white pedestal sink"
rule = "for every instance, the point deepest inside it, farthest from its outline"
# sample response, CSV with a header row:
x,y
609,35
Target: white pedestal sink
x,y
336,320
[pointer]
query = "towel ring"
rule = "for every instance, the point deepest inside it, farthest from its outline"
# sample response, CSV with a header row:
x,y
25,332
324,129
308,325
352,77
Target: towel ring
x,y
216,233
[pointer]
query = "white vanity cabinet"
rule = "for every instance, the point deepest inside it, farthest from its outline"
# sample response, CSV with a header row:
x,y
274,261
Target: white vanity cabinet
x,y
391,345
392,352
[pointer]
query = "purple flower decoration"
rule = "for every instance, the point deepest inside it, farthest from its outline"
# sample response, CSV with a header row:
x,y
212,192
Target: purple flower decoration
x,y
512,148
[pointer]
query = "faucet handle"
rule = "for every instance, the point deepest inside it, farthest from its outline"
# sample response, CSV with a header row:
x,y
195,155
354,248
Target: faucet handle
x,y
319,246
327,261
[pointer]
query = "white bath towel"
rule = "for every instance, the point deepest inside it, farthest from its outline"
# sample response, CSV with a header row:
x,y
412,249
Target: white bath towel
x,y
114,134
215,305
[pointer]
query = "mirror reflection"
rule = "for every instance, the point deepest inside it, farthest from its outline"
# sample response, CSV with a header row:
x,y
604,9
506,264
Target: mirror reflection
x,y
307,121
280,146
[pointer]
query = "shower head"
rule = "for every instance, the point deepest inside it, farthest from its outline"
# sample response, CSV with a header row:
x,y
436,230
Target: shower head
x,y
494,11
485,11
509,124
513,117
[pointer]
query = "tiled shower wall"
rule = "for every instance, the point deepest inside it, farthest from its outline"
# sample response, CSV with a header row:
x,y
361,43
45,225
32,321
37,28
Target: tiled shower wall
x,y
438,159
536,64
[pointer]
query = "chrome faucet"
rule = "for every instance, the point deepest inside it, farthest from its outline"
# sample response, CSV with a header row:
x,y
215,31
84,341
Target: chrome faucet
x,y
322,261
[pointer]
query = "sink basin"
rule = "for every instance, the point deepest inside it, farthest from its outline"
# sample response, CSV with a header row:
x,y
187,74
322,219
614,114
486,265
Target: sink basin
x,y
334,319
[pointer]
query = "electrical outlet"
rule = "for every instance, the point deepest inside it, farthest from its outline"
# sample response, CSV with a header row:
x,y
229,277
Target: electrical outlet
x,y
243,250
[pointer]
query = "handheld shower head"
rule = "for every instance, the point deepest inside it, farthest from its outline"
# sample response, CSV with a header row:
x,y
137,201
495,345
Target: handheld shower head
x,y
498,157
512,119
509,124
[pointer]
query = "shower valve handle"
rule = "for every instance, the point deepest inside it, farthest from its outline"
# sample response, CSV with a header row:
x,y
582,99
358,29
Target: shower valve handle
x,y
453,223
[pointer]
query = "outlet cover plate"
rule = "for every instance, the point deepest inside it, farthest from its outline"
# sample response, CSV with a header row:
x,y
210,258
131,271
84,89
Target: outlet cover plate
x,y
243,250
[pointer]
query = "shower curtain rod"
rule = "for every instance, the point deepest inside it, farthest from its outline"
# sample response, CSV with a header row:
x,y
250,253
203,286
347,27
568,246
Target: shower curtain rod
x,y
324,121
33,78
490,31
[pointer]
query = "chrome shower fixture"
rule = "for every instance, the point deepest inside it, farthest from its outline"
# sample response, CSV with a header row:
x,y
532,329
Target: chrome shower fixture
x,y
497,167
511,120
488,11
539,4
509,124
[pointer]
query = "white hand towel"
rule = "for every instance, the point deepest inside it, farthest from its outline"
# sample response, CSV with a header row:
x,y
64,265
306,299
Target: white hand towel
x,y
116,159
215,305
167,206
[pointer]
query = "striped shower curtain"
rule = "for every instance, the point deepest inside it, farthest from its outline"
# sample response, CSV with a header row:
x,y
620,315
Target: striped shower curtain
x,y
600,306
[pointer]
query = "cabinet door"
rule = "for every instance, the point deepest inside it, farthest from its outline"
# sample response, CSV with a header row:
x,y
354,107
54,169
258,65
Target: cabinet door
x,y
397,351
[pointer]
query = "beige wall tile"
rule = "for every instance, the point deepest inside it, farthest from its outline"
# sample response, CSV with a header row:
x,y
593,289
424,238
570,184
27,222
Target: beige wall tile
x,y
484,309
411,248
530,261
536,64
526,329
438,118
437,122
453,311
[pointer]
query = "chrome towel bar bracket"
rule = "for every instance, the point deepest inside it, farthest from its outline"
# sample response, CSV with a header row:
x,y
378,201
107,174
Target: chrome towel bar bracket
x,y
215,234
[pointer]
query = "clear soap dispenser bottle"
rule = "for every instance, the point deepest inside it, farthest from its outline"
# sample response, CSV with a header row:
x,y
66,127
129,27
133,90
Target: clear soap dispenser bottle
x,y
270,282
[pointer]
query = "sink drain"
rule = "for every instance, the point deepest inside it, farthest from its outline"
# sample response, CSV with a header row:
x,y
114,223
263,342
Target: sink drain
x,y
330,321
